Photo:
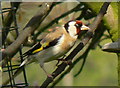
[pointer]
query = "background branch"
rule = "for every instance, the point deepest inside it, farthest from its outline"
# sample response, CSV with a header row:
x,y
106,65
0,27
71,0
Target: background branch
x,y
75,9
32,25
8,21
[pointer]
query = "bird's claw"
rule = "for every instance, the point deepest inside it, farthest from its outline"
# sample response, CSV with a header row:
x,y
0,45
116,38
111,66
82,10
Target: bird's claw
x,y
69,62
49,75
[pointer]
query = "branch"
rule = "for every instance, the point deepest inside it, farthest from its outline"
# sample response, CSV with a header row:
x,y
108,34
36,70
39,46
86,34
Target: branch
x,y
97,36
84,41
7,21
112,47
83,56
32,25
77,8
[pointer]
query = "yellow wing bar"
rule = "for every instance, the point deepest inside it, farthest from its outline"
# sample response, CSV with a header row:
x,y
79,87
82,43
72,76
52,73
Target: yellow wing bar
x,y
41,48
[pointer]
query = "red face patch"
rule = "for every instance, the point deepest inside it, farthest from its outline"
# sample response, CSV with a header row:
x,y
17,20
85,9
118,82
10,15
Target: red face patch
x,y
78,26
78,22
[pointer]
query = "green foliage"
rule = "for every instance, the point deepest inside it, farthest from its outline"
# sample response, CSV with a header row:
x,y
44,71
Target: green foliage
x,y
111,18
94,6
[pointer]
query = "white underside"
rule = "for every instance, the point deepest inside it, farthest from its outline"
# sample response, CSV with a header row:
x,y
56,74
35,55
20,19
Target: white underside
x,y
49,54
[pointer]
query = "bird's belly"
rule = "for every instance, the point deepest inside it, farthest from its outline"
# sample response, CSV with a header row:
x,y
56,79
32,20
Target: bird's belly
x,y
49,54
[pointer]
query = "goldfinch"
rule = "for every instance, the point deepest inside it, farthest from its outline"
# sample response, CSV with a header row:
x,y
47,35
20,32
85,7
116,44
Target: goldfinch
x,y
54,44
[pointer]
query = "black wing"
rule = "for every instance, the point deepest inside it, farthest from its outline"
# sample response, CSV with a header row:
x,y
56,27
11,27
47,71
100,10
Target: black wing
x,y
29,52
39,45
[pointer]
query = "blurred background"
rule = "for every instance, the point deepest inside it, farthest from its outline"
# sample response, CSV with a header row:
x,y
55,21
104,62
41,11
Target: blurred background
x,y
100,68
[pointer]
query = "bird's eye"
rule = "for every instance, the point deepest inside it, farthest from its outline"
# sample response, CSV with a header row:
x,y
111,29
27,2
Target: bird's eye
x,y
78,25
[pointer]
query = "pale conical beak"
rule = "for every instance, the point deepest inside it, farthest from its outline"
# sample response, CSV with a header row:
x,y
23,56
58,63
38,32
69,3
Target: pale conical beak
x,y
84,27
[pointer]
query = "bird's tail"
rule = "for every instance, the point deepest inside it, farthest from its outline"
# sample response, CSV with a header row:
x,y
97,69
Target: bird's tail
x,y
22,66
24,62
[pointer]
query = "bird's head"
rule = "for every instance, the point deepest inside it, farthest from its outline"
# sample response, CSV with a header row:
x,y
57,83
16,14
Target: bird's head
x,y
75,27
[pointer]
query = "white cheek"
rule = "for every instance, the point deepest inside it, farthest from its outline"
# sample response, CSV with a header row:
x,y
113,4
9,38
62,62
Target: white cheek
x,y
72,30
72,23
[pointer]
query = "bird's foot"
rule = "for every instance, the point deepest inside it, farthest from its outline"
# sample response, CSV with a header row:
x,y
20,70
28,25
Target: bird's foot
x,y
49,75
69,62
61,59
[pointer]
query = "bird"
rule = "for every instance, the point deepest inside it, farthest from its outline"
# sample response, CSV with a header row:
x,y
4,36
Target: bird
x,y
55,44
